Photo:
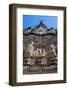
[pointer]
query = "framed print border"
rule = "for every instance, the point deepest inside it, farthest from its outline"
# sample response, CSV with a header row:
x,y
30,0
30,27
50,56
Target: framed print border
x,y
13,42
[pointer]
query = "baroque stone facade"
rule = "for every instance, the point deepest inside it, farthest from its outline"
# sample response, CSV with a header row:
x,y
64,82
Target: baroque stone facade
x,y
39,47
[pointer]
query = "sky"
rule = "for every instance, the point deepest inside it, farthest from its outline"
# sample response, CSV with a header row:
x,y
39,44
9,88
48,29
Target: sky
x,y
33,20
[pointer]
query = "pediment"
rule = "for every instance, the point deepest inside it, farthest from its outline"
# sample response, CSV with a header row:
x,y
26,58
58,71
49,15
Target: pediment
x,y
41,30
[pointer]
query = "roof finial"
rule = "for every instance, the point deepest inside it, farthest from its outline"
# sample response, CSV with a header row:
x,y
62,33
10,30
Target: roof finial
x,y
41,21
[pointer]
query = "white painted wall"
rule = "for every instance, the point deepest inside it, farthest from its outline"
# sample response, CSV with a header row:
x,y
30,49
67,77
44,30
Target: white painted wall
x,y
4,44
